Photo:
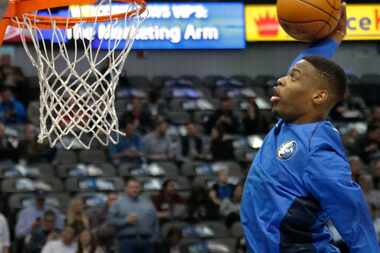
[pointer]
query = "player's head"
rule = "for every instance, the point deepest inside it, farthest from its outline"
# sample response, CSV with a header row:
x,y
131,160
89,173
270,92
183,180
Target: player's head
x,y
310,89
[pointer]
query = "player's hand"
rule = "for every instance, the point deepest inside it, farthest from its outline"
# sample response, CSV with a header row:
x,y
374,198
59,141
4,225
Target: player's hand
x,y
341,30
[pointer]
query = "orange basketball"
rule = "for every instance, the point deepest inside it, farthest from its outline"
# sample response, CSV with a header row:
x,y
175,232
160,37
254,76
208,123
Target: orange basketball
x,y
308,20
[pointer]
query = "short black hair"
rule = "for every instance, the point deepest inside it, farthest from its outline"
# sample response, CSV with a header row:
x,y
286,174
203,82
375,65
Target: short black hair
x,y
130,179
49,213
333,74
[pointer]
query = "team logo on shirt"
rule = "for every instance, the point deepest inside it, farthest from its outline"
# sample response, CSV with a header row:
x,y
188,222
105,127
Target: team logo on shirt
x,y
286,150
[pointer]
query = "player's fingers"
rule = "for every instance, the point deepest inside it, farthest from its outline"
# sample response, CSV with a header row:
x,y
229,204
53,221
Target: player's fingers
x,y
344,17
344,10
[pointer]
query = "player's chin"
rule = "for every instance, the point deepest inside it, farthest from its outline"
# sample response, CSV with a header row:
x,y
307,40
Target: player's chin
x,y
276,107
277,111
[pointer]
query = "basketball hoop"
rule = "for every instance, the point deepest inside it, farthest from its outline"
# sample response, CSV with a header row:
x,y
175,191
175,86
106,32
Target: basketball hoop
x,y
76,96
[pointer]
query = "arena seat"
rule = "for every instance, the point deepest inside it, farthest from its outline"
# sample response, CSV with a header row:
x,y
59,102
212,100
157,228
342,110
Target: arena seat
x,y
158,81
92,156
236,230
139,82
65,157
92,184
18,201
218,228
178,117
93,199
18,185
225,245
81,170
188,168
170,168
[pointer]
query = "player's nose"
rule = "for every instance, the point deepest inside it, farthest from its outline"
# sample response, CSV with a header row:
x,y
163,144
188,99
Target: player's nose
x,y
280,81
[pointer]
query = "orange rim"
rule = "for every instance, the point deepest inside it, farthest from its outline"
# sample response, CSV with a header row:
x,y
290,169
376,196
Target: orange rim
x,y
20,10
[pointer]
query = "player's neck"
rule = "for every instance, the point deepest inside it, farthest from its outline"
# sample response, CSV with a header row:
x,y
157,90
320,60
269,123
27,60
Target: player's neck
x,y
308,118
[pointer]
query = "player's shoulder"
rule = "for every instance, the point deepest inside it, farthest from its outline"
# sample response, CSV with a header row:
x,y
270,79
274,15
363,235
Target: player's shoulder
x,y
326,135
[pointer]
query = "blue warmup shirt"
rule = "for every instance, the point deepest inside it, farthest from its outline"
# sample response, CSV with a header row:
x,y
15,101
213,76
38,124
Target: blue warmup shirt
x,y
300,179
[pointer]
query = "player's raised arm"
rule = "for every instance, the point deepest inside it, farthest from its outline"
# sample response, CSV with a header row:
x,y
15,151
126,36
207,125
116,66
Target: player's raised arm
x,y
327,47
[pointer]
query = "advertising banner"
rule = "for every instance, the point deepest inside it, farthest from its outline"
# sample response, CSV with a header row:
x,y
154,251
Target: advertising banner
x,y
363,23
169,26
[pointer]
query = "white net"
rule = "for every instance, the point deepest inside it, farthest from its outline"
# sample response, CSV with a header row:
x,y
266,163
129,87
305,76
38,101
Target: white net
x,y
78,70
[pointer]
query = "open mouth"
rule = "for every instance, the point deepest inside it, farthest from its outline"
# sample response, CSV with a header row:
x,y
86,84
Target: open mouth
x,y
275,96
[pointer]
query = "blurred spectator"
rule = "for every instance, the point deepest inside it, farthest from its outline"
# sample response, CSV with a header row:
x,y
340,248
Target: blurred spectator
x,y
366,183
221,145
350,141
157,144
357,167
156,106
230,207
375,116
199,205
167,200
192,146
129,147
370,144
224,117
98,215
351,108
240,245
171,242
18,83
376,219
12,111
135,219
87,244
8,148
252,119
32,151
76,216
66,244
140,116
46,231
4,235
103,231
29,218
221,189
376,173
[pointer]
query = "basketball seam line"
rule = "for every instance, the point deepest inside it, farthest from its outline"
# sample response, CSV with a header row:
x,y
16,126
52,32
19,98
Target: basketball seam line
x,y
332,6
298,22
327,23
323,26
317,7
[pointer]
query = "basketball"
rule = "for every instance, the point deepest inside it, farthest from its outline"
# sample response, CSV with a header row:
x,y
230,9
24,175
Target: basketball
x,y
308,20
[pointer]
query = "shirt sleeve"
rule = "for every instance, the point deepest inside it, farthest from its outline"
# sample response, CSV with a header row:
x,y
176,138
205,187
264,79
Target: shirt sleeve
x,y
24,223
115,218
5,241
328,179
47,248
325,48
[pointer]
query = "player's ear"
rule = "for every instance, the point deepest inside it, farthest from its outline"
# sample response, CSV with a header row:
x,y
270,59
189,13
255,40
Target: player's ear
x,y
320,96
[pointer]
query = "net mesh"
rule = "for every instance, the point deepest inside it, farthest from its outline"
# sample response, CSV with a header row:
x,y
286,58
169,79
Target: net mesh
x,y
78,70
